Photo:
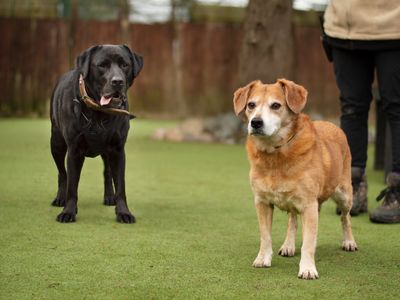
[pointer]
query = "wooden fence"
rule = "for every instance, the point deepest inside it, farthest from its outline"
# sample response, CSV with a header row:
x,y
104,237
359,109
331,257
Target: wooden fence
x,y
190,68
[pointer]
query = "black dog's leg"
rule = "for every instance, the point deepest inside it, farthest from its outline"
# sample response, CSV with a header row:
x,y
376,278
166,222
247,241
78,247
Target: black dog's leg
x,y
58,150
108,184
74,167
117,160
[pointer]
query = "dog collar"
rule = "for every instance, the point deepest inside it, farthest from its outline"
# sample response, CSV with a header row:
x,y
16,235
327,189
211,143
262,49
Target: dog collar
x,y
287,142
90,103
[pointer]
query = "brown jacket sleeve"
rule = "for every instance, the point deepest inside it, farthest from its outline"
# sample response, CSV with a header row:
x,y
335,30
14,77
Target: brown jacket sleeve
x,y
363,19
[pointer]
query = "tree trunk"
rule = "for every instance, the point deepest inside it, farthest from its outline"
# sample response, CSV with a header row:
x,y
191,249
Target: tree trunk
x,y
72,25
177,55
267,49
123,16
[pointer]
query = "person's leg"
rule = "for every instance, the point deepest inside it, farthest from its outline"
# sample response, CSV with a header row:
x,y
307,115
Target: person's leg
x,y
354,71
388,72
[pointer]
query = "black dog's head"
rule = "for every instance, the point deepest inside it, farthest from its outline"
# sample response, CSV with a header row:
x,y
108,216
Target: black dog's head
x,y
108,71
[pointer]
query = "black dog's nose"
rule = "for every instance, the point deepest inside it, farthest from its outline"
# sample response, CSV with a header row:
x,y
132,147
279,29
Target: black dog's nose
x,y
257,123
117,82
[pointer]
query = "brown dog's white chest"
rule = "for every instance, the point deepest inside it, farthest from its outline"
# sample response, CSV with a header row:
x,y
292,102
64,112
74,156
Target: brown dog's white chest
x,y
287,195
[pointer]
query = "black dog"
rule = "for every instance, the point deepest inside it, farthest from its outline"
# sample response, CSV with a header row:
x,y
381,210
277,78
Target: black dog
x,y
80,131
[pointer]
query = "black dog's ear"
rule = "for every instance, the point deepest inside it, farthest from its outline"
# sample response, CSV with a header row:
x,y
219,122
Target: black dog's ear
x,y
83,60
137,63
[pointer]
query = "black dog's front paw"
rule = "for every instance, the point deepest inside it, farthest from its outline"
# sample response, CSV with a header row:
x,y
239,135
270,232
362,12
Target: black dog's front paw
x,y
66,217
109,201
125,217
59,202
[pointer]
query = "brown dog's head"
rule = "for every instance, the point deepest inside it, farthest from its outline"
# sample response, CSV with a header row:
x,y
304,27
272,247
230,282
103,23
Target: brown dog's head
x,y
269,107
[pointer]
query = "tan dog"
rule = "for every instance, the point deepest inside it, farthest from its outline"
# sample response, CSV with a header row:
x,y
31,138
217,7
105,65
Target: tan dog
x,y
296,164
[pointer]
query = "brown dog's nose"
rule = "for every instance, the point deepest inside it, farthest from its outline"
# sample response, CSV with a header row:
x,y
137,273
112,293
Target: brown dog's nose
x,y
257,123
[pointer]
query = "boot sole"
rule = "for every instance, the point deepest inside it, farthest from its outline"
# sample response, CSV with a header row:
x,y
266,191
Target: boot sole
x,y
381,220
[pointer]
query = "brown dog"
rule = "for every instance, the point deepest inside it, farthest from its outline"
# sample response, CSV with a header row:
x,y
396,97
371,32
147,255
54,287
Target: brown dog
x,y
296,164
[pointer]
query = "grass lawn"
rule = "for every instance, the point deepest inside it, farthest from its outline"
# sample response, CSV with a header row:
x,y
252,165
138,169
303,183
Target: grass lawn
x,y
196,233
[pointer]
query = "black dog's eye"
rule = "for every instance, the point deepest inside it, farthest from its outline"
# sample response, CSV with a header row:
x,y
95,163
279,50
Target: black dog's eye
x,y
124,64
251,105
104,64
275,106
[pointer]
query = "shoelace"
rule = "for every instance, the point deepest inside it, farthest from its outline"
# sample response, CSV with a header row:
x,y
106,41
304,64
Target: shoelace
x,y
389,191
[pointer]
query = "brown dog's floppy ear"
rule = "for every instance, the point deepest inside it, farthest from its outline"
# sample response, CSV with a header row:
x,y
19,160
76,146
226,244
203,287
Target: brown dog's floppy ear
x,y
296,95
241,96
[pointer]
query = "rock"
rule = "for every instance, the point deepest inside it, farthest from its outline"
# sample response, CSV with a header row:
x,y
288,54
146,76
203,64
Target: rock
x,y
192,128
174,135
159,134
225,128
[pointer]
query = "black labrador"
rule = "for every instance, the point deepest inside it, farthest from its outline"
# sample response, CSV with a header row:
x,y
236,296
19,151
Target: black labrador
x,y
79,131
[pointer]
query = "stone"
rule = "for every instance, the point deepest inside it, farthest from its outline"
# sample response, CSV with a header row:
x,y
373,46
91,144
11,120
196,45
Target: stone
x,y
224,128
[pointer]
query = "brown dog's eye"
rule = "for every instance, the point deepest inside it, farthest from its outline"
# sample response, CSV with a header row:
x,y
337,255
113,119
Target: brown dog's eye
x,y
275,106
251,105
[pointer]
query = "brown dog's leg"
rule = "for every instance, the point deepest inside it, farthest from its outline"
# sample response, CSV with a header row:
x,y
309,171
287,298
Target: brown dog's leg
x,y
264,214
310,231
288,247
343,197
348,243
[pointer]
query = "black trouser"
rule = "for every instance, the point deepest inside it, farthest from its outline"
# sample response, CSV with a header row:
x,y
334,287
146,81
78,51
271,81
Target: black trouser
x,y
354,70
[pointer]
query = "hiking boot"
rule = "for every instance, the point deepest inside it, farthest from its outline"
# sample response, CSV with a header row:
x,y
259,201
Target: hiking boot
x,y
360,190
389,211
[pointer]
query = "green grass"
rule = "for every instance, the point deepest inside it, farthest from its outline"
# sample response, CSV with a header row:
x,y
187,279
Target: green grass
x,y
196,233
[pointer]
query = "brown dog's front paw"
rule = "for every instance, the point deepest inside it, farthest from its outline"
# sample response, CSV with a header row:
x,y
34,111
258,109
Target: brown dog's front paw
x,y
307,271
66,217
287,251
262,261
350,246
126,217
308,274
